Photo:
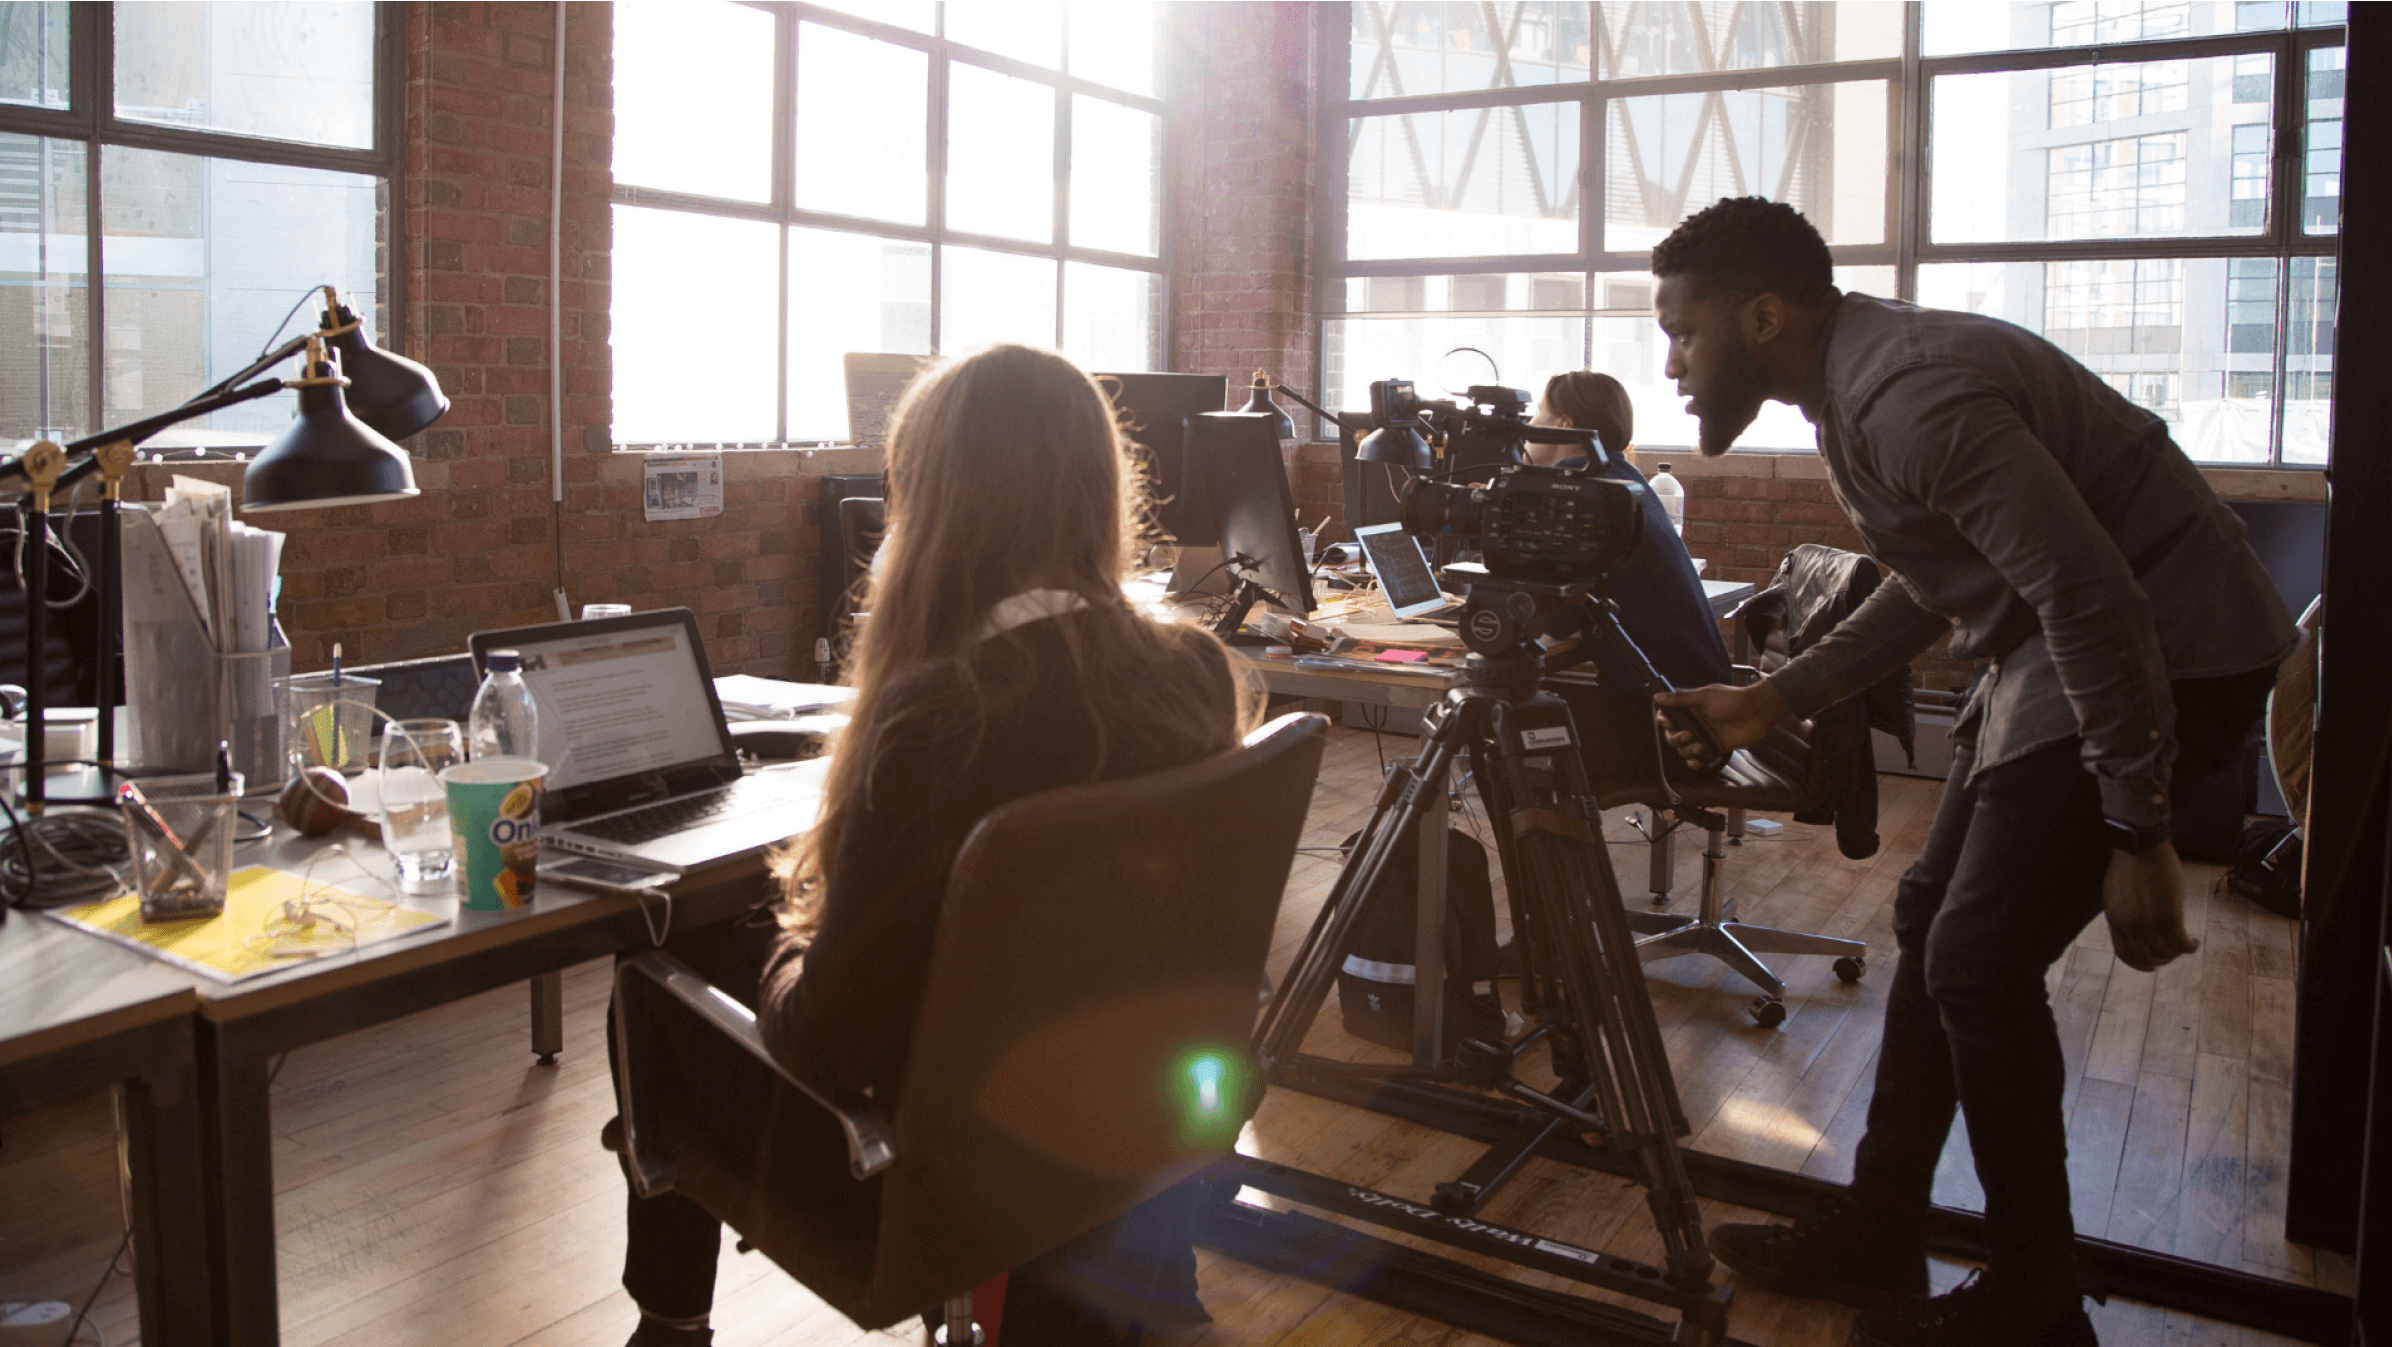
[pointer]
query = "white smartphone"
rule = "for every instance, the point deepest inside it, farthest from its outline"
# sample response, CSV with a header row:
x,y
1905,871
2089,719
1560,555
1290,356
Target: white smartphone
x,y
590,872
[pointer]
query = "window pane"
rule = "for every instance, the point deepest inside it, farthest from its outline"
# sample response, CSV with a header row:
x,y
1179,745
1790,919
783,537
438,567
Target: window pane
x,y
2105,151
848,292
2191,339
1112,43
1954,26
1116,187
2309,359
1630,348
1818,147
1000,154
1026,30
919,15
205,256
862,126
1109,317
2324,13
1412,48
1477,183
1528,350
2321,172
45,370
717,145
676,275
33,54
293,71
1641,39
985,297
1486,292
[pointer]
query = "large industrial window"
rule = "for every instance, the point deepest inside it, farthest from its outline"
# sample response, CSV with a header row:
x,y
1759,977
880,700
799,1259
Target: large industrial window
x,y
206,165
2154,186
794,182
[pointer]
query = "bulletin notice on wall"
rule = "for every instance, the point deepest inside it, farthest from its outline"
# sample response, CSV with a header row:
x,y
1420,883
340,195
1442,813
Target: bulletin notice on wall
x,y
684,486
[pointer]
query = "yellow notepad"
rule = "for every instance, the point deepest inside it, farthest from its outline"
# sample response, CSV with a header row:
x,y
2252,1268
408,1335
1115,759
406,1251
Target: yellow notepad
x,y
231,945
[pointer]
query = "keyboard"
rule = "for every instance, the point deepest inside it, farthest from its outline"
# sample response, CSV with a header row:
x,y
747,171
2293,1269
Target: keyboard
x,y
748,795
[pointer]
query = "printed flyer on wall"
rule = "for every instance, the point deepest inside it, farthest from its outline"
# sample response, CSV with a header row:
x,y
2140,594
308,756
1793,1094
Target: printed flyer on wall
x,y
684,486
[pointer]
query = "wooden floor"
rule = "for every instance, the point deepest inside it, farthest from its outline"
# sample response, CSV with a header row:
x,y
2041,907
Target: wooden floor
x,y
433,1186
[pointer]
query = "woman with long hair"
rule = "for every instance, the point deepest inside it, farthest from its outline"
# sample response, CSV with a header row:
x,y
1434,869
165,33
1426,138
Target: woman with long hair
x,y
1000,658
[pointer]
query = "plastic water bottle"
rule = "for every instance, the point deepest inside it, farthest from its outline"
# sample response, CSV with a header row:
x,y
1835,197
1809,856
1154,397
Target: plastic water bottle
x,y
505,722
1673,497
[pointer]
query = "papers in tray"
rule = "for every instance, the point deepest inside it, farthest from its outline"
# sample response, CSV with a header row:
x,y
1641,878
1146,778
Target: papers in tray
x,y
237,944
747,697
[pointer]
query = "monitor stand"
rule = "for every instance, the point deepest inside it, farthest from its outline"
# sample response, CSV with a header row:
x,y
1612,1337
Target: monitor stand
x,y
1200,572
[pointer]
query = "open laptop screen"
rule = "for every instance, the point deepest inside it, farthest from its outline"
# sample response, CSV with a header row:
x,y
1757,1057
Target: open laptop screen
x,y
618,698
1403,569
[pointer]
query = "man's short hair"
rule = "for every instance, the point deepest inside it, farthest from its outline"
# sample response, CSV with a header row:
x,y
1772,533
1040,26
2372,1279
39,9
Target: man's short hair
x,y
1747,245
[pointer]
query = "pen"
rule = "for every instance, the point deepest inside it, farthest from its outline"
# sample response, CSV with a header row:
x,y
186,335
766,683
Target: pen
x,y
336,664
224,768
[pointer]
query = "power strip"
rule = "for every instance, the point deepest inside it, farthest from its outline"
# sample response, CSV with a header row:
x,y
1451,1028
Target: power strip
x,y
34,1323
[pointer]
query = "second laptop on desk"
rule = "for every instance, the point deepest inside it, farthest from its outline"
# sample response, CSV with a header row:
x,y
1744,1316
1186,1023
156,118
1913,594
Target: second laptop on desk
x,y
641,765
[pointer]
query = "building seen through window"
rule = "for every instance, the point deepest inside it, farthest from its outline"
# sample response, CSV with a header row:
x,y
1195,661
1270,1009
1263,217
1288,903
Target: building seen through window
x,y
2046,127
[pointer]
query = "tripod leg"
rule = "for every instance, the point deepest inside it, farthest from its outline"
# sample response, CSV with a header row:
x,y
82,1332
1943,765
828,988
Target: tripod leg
x,y
1403,800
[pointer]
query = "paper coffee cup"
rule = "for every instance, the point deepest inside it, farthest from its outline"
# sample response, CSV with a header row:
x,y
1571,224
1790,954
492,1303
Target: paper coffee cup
x,y
494,815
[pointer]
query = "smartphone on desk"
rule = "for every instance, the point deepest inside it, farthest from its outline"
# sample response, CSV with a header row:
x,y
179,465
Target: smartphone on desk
x,y
592,872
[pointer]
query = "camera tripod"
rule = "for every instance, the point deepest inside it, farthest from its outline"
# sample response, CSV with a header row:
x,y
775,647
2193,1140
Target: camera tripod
x,y
1580,977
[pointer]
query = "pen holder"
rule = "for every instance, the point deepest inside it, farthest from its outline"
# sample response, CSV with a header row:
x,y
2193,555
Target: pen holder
x,y
180,832
328,724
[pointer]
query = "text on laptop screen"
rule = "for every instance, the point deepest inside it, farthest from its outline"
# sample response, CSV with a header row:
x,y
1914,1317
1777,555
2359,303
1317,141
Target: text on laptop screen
x,y
619,703
1403,569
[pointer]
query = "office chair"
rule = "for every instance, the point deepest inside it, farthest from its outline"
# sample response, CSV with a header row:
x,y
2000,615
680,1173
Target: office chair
x,y
1081,1043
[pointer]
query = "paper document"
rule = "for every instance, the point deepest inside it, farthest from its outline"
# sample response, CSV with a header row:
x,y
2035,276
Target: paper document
x,y
747,697
683,486
253,934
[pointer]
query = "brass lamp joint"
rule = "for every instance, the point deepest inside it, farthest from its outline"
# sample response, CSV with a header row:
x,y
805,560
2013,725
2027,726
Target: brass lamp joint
x,y
43,464
115,461
315,357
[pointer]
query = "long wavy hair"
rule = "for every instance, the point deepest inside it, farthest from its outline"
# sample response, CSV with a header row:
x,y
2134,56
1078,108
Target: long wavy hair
x,y
1007,472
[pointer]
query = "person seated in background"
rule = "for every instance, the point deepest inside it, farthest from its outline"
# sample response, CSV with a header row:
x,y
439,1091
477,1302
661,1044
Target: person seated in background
x,y
1002,659
1659,594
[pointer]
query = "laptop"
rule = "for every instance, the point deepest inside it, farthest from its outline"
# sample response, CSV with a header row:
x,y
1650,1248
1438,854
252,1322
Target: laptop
x,y
1396,558
641,765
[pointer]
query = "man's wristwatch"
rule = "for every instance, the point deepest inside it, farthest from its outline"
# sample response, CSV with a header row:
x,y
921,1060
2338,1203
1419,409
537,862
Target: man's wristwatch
x,y
2135,841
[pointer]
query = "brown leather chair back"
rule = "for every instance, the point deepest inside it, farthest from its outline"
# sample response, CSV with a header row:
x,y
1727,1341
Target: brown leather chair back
x,y
1080,1046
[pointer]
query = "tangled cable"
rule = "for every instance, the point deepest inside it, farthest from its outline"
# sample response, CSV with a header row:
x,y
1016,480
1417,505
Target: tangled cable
x,y
59,860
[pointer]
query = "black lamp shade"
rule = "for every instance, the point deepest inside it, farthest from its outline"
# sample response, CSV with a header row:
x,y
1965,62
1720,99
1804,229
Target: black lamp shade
x,y
328,457
1397,444
1260,401
388,392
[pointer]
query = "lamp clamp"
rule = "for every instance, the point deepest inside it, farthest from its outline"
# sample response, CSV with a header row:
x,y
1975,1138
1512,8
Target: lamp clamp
x,y
43,465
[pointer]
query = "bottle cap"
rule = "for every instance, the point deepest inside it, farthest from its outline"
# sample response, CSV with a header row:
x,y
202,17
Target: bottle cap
x,y
504,661
1665,467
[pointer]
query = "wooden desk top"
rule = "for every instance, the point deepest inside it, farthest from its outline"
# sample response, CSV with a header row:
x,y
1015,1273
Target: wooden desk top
x,y
61,989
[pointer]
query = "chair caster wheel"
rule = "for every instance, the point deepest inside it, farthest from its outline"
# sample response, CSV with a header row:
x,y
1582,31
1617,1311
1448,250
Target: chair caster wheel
x,y
1850,967
1768,1012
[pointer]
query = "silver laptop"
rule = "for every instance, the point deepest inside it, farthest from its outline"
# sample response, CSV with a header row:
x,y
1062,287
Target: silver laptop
x,y
641,765
1396,558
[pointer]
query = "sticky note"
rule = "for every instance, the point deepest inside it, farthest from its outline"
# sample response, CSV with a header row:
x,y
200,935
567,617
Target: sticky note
x,y
1401,656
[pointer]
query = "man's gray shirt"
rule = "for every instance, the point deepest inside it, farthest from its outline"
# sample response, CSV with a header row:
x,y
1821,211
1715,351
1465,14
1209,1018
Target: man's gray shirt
x,y
2047,523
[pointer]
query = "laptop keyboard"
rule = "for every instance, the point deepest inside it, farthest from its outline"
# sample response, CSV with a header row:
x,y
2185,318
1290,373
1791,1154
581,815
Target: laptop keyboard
x,y
748,795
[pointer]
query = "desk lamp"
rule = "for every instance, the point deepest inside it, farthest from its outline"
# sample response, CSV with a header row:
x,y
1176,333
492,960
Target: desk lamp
x,y
329,456
1399,444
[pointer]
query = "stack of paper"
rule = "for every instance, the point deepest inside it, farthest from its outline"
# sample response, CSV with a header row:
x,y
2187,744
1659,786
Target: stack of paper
x,y
229,567
747,697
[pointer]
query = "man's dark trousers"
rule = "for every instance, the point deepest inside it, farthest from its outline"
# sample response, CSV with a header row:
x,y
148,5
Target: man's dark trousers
x,y
2011,872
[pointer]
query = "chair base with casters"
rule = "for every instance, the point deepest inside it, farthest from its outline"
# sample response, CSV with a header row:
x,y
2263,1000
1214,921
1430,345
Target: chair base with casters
x,y
1078,1048
1782,773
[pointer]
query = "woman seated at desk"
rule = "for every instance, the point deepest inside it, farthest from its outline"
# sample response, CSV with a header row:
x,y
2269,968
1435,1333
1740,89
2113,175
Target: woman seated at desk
x,y
1001,660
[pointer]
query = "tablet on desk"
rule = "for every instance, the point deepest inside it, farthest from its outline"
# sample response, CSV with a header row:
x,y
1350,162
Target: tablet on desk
x,y
1403,570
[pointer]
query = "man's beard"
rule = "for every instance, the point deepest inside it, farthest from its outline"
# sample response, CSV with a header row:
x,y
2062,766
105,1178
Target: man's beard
x,y
1738,388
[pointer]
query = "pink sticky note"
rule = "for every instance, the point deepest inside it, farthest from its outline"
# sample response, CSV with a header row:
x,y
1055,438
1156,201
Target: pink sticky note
x,y
1402,656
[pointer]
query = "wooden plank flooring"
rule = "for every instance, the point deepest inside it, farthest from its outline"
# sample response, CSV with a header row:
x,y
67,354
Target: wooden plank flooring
x,y
434,1186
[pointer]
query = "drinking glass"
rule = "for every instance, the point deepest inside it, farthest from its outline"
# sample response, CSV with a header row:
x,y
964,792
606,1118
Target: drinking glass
x,y
415,822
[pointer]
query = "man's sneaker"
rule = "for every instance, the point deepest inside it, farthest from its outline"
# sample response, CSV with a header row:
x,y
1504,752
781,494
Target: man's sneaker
x,y
1834,1252
1970,1315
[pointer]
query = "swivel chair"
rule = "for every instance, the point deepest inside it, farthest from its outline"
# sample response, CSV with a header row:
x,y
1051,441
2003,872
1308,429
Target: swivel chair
x,y
1081,1044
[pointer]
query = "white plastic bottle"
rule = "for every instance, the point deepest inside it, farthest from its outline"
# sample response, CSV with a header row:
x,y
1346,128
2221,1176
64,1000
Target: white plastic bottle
x,y
505,722
1673,497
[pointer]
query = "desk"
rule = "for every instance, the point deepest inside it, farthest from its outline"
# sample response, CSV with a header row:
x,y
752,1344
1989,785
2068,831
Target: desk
x,y
241,1027
77,1015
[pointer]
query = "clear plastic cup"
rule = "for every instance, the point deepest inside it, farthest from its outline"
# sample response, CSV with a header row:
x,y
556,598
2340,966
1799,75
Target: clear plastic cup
x,y
414,804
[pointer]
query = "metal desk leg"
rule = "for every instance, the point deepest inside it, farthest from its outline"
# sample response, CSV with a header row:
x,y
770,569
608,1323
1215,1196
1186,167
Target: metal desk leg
x,y
1661,873
235,1131
161,1122
548,1016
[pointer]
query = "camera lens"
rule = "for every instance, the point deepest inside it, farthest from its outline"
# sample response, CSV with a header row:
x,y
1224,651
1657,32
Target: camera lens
x,y
1433,508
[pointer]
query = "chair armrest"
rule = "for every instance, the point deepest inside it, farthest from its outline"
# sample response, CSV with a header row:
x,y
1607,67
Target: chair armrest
x,y
1745,674
871,1141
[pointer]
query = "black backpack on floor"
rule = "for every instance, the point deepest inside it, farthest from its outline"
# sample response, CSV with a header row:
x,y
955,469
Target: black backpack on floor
x,y
1375,984
2267,866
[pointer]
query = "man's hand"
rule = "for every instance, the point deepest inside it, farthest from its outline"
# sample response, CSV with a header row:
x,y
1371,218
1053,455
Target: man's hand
x,y
2144,897
1734,717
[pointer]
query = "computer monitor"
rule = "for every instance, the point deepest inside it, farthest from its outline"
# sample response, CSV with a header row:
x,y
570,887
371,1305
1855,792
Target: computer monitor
x,y
1155,409
1236,456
